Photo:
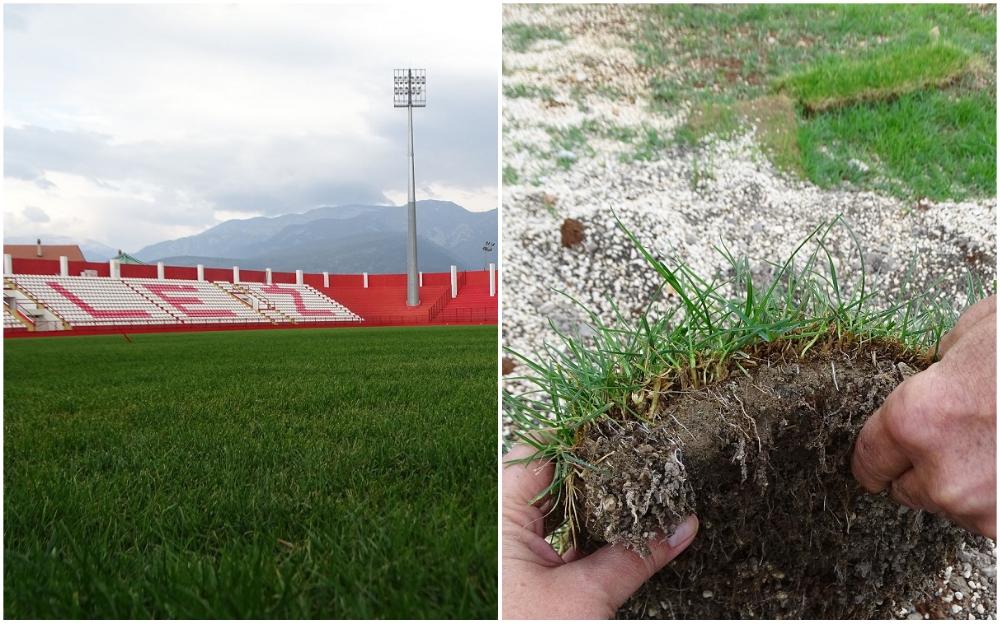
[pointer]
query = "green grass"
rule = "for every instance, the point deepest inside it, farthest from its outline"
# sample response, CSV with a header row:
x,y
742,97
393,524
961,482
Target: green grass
x,y
927,144
264,474
836,81
715,325
908,90
510,175
527,91
519,37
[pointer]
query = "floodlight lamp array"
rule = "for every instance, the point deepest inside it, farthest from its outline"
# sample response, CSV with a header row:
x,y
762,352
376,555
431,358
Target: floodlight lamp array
x,y
409,88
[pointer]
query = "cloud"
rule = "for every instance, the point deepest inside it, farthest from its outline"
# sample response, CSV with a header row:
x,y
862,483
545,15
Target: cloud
x,y
162,119
35,214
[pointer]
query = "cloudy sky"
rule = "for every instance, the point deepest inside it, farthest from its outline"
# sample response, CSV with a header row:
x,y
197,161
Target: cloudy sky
x,y
132,124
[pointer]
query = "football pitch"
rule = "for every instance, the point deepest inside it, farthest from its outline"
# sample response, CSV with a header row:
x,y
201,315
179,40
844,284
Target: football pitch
x,y
344,473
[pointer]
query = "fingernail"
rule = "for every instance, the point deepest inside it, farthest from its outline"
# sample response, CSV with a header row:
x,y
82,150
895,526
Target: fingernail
x,y
684,532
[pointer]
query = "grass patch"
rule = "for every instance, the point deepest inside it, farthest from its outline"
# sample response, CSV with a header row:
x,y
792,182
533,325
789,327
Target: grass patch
x,y
929,144
283,474
569,142
648,147
844,63
527,91
519,37
837,82
510,175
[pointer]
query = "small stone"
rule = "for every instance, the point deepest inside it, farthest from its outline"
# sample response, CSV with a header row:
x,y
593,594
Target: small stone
x,y
508,366
566,154
959,595
707,594
956,609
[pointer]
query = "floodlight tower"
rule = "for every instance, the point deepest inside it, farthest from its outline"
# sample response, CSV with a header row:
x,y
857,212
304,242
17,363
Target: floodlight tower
x,y
409,92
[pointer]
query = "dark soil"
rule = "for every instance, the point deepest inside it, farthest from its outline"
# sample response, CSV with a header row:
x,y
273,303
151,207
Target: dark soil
x,y
571,232
763,458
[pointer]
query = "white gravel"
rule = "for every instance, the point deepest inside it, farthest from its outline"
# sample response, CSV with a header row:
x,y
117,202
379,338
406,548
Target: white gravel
x,y
683,204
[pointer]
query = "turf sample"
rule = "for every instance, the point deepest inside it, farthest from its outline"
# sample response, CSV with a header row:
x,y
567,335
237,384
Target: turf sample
x,y
837,82
742,405
343,473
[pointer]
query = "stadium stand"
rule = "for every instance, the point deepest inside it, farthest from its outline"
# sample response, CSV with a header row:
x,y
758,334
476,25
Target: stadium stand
x,y
92,300
300,303
197,302
45,296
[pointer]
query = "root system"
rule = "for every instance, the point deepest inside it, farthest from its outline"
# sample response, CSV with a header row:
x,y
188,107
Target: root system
x,y
763,458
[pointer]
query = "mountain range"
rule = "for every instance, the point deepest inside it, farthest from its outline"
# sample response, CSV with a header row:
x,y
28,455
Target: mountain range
x,y
339,239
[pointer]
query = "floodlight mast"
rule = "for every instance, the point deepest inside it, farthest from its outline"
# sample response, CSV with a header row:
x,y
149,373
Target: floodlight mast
x,y
409,91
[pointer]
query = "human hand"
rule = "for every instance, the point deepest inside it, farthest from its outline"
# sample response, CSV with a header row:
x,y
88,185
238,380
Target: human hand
x,y
933,442
538,583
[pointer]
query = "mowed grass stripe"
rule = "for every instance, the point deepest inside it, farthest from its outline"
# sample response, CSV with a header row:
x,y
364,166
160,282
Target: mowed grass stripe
x,y
837,82
314,473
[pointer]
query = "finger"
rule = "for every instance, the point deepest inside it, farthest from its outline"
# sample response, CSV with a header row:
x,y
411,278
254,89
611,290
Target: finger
x,y
619,572
908,489
970,318
572,555
523,481
877,458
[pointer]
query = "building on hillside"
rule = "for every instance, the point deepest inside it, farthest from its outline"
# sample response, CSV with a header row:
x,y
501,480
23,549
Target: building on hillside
x,y
38,251
124,258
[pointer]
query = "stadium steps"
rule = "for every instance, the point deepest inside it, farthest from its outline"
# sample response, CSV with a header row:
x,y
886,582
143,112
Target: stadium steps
x,y
151,300
10,284
15,320
272,316
473,304
309,303
264,307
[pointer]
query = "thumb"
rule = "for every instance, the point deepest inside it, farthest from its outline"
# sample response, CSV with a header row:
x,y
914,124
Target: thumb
x,y
618,572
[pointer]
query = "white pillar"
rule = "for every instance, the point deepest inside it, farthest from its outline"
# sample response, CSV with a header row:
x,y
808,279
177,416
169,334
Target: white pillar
x,y
236,275
366,279
454,281
113,268
298,276
421,274
493,279
64,266
201,272
267,276
160,273
8,264
326,279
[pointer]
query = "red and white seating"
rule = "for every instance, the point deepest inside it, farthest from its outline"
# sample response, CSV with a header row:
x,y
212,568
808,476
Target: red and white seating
x,y
196,302
93,300
103,301
302,304
9,321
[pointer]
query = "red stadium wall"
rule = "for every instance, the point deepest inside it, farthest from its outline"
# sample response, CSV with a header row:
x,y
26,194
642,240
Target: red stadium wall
x,y
383,302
